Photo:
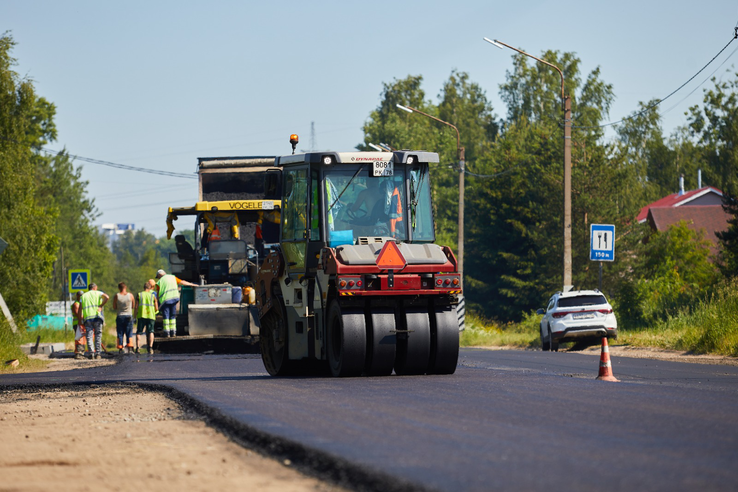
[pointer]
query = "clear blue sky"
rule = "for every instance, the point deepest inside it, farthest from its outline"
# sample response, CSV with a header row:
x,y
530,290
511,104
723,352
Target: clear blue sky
x,y
157,84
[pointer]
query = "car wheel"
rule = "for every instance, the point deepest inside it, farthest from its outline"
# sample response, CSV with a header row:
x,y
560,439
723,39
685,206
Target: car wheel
x,y
545,344
554,344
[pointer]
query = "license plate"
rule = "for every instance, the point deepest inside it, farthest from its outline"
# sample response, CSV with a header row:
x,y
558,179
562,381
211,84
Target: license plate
x,y
584,316
383,168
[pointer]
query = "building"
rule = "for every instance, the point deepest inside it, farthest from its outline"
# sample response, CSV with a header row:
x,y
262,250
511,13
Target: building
x,y
706,196
112,232
701,209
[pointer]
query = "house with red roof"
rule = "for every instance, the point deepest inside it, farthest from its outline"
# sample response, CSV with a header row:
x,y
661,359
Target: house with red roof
x,y
705,196
701,209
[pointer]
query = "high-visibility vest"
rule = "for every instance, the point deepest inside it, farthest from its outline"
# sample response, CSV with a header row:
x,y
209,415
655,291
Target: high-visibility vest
x,y
168,288
146,305
215,235
90,302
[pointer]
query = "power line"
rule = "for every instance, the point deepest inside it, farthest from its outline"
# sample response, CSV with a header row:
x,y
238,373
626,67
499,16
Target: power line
x,y
668,96
493,175
701,83
123,166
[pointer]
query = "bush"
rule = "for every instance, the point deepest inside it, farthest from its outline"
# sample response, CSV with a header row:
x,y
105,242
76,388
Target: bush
x,y
710,326
675,273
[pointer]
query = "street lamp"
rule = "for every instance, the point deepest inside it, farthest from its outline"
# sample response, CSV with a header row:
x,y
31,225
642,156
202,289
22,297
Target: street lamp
x,y
566,103
460,156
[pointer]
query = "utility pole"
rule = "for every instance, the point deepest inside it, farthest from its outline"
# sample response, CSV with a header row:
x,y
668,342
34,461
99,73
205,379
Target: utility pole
x,y
567,193
460,244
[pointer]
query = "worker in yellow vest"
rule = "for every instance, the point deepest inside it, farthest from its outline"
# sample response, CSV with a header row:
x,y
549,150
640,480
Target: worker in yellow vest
x,y
79,328
145,306
167,287
91,304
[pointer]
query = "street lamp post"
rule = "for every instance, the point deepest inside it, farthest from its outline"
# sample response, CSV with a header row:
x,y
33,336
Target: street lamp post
x,y
460,156
566,104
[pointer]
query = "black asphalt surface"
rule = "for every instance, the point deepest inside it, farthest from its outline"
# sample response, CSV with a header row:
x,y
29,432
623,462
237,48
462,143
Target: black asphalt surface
x,y
507,420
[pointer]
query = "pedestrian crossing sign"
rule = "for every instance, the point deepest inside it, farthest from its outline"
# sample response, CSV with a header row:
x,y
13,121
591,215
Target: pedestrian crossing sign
x,y
79,280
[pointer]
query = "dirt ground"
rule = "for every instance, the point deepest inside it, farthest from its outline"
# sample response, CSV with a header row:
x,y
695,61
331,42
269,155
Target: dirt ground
x,y
124,439
645,353
662,354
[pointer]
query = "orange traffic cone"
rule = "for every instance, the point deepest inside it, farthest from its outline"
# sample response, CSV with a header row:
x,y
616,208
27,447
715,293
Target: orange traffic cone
x,y
605,366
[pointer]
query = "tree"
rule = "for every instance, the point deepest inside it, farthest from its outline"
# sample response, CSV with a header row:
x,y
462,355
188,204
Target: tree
x,y
464,105
716,127
729,238
138,258
673,272
25,223
515,245
61,186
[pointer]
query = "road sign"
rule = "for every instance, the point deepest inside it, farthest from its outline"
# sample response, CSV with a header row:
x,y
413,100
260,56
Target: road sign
x,y
3,245
602,242
79,280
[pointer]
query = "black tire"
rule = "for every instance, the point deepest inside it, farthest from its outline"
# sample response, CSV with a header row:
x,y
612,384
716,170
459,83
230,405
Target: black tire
x,y
381,342
545,344
273,343
346,341
413,350
554,343
444,352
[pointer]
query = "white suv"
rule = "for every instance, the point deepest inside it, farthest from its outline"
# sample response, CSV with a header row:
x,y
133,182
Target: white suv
x,y
576,314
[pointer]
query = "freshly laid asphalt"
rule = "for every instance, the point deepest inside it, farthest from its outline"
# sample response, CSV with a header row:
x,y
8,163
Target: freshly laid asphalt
x,y
506,420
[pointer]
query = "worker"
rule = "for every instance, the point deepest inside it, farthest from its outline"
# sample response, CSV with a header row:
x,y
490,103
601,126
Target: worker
x,y
79,328
168,294
371,200
91,303
395,212
123,305
146,305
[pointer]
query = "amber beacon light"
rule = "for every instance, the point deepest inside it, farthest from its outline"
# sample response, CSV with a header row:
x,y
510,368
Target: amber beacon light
x,y
294,140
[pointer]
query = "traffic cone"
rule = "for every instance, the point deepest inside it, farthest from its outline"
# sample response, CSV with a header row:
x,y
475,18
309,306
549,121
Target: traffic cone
x,y
605,365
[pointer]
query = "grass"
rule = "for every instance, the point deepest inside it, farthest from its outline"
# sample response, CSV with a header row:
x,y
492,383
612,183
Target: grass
x,y
484,333
709,328
10,342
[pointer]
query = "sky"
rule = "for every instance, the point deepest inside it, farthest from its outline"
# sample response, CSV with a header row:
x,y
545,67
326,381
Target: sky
x,y
157,84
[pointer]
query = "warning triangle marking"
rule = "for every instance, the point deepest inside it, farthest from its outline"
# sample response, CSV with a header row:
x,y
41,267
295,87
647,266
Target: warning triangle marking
x,y
79,282
390,257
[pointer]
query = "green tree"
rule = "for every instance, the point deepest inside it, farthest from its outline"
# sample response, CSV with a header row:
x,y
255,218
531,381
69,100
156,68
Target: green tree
x,y
515,245
716,127
729,238
673,272
137,258
511,258
25,223
83,246
462,104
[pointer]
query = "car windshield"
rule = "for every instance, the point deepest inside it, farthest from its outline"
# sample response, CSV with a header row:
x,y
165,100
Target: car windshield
x,y
586,300
361,205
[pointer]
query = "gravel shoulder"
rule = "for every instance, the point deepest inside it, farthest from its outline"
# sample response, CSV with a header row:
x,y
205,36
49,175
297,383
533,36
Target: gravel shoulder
x,y
644,353
123,438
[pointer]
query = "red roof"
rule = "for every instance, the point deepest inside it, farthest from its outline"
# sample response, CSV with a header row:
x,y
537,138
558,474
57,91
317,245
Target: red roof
x,y
677,200
710,218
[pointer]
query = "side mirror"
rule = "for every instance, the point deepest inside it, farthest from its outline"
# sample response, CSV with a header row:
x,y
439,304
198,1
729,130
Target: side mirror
x,y
541,311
